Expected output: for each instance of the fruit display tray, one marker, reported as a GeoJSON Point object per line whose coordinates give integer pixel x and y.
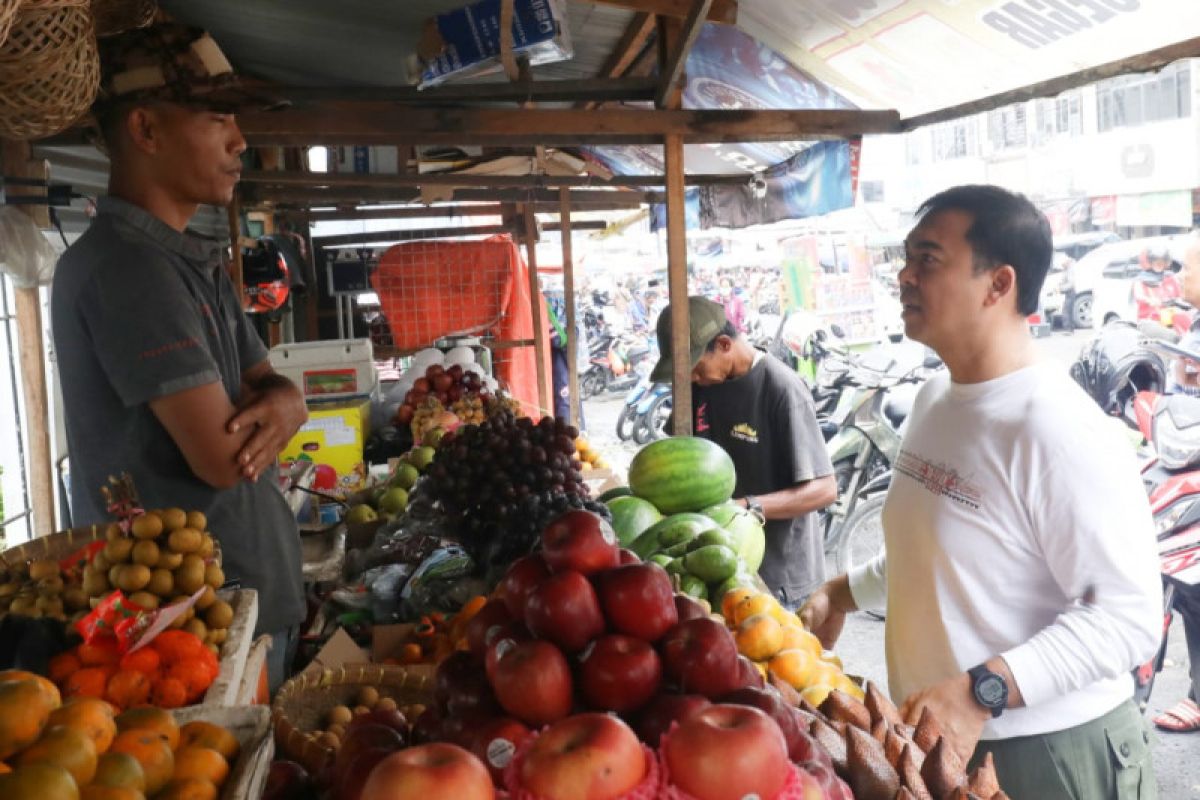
{"type": "Point", "coordinates": [224, 690]}
{"type": "Point", "coordinates": [256, 661]}
{"type": "Point", "coordinates": [252, 727]}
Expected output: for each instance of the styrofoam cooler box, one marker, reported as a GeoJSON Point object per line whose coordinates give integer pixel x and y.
{"type": "Point", "coordinates": [328, 370]}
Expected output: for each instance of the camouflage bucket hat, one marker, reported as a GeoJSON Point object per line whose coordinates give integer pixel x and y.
{"type": "Point", "coordinates": [176, 63]}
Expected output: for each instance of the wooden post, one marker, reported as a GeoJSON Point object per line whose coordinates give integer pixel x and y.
{"type": "Point", "coordinates": [568, 264]}
{"type": "Point", "coordinates": [677, 283]}
{"type": "Point", "coordinates": [17, 162]}
{"type": "Point", "coordinates": [540, 344]}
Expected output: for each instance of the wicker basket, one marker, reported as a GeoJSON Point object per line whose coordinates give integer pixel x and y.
{"type": "Point", "coordinates": [56, 546]}
{"type": "Point", "coordinates": [8, 13]}
{"type": "Point", "coordinates": [117, 16]}
{"type": "Point", "coordinates": [301, 704]}
{"type": "Point", "coordinates": [49, 68]}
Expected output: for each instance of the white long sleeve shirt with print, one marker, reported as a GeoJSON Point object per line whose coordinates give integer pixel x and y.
{"type": "Point", "coordinates": [1017, 525]}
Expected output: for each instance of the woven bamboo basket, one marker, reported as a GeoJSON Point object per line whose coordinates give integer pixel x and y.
{"type": "Point", "coordinates": [49, 68]}
{"type": "Point", "coordinates": [117, 16]}
{"type": "Point", "coordinates": [301, 704]}
{"type": "Point", "coordinates": [8, 13]}
{"type": "Point", "coordinates": [61, 544]}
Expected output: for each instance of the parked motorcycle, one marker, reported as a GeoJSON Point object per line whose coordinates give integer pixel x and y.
{"type": "Point", "coordinates": [653, 414]}
{"type": "Point", "coordinates": [637, 402]}
{"type": "Point", "coordinates": [615, 364]}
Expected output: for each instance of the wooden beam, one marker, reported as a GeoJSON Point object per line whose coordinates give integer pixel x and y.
{"type": "Point", "coordinates": [1144, 62]}
{"type": "Point", "coordinates": [342, 179]}
{"type": "Point", "coordinates": [574, 409]}
{"type": "Point", "coordinates": [331, 197]}
{"type": "Point", "coordinates": [722, 11]}
{"type": "Point", "coordinates": [17, 161]}
{"type": "Point", "coordinates": [402, 235]}
{"type": "Point", "coordinates": [672, 75]}
{"type": "Point", "coordinates": [626, 50]}
{"type": "Point", "coordinates": [541, 345]}
{"type": "Point", "coordinates": [384, 124]}
{"type": "Point", "coordinates": [677, 287]}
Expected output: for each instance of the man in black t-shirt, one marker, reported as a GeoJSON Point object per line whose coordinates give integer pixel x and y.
{"type": "Point", "coordinates": [761, 413]}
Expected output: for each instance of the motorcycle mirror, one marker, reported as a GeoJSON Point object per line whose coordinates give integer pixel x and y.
{"type": "Point", "coordinates": [932, 362]}
{"type": "Point", "coordinates": [837, 331]}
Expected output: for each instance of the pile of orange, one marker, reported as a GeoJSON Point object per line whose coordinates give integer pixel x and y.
{"type": "Point", "coordinates": [174, 670]}
{"type": "Point", "coordinates": [436, 636]}
{"type": "Point", "coordinates": [82, 750]}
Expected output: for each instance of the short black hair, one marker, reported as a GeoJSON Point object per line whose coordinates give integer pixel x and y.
{"type": "Point", "coordinates": [728, 330]}
{"type": "Point", "coordinates": [1006, 229]}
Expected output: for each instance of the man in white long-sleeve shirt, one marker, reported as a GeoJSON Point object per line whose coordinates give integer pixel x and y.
{"type": "Point", "coordinates": [1020, 578]}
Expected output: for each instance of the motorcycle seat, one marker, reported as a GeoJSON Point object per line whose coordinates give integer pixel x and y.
{"type": "Point", "coordinates": [897, 407]}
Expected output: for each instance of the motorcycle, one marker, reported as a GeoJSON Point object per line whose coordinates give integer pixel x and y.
{"type": "Point", "coordinates": [614, 363]}
{"type": "Point", "coordinates": [639, 399]}
{"type": "Point", "coordinates": [863, 452]}
{"type": "Point", "coordinates": [653, 413]}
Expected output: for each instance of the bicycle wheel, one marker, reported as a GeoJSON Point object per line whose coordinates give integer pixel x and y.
{"type": "Point", "coordinates": [861, 538]}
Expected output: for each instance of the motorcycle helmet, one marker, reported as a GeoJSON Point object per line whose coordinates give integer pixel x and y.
{"type": "Point", "coordinates": [1114, 367]}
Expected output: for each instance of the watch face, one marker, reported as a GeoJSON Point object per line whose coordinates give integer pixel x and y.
{"type": "Point", "coordinates": [990, 690]}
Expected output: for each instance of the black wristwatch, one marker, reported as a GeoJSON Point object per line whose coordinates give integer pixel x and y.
{"type": "Point", "coordinates": [990, 690]}
{"type": "Point", "coordinates": [752, 504]}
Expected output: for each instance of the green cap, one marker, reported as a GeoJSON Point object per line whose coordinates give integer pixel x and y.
{"type": "Point", "coordinates": [706, 319]}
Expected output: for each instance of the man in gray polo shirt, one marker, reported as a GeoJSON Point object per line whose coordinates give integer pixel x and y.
{"type": "Point", "coordinates": [162, 375]}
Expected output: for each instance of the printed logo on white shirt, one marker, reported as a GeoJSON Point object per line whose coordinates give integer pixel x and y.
{"type": "Point", "coordinates": [939, 479]}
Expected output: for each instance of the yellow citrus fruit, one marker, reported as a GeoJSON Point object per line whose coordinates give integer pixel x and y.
{"type": "Point", "coordinates": [761, 666]}
{"type": "Point", "coordinates": [845, 684]}
{"type": "Point", "coordinates": [826, 673]}
{"type": "Point", "coordinates": [831, 657]}
{"type": "Point", "coordinates": [797, 667]}
{"type": "Point", "coordinates": [760, 603]}
{"type": "Point", "coordinates": [731, 598]}
{"type": "Point", "coordinates": [120, 771]}
{"type": "Point", "coordinates": [759, 637]}
{"type": "Point", "coordinates": [796, 638]}
{"type": "Point", "coordinates": [816, 693]}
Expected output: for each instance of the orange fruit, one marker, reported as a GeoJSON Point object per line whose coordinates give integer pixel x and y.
{"type": "Point", "coordinates": [66, 747]}
{"type": "Point", "coordinates": [63, 665]}
{"type": "Point", "coordinates": [24, 709]}
{"type": "Point", "coordinates": [103, 652]}
{"type": "Point", "coordinates": [38, 782]}
{"type": "Point", "coordinates": [128, 688]}
{"type": "Point", "coordinates": [214, 737]}
{"type": "Point", "coordinates": [88, 682]}
{"type": "Point", "coordinates": [760, 603]}
{"type": "Point", "coordinates": [187, 789]}
{"type": "Point", "coordinates": [169, 693]}
{"type": "Point", "coordinates": [731, 599]}
{"type": "Point", "coordinates": [177, 645]}
{"type": "Point", "coordinates": [145, 660]}
{"type": "Point", "coordinates": [53, 696]}
{"type": "Point", "coordinates": [152, 751]}
{"type": "Point", "coordinates": [90, 715]}
{"type": "Point", "coordinates": [153, 719]}
{"type": "Point", "coordinates": [200, 763]}
{"type": "Point", "coordinates": [119, 770]}
{"type": "Point", "coordinates": [826, 673]}
{"type": "Point", "coordinates": [94, 792]}
{"type": "Point", "coordinates": [816, 693]}
{"type": "Point", "coordinates": [796, 638]}
{"type": "Point", "coordinates": [797, 667]}
{"type": "Point", "coordinates": [759, 637]}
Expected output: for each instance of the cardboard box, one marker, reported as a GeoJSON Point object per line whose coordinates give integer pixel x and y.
{"type": "Point", "coordinates": [339, 651]}
{"type": "Point", "coordinates": [334, 436]}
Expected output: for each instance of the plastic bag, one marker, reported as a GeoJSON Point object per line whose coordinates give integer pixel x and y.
{"type": "Point", "coordinates": [385, 588]}
{"type": "Point", "coordinates": [25, 255]}
{"type": "Point", "coordinates": [441, 583]}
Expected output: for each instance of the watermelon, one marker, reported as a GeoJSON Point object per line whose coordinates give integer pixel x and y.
{"type": "Point", "coordinates": [614, 493]}
{"type": "Point", "coordinates": [682, 473]}
{"type": "Point", "coordinates": [749, 539]}
{"type": "Point", "coordinates": [669, 532]}
{"type": "Point", "coordinates": [723, 513]}
{"type": "Point", "coordinates": [631, 516]}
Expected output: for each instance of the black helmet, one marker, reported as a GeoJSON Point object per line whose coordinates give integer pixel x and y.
{"type": "Point", "coordinates": [1114, 367]}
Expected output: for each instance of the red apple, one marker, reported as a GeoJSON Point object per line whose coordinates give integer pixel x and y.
{"type": "Point", "coordinates": [353, 776]}
{"type": "Point", "coordinates": [656, 718]}
{"type": "Point", "coordinates": [461, 728]}
{"type": "Point", "coordinates": [748, 674]}
{"type": "Point", "coordinates": [495, 743]}
{"type": "Point", "coordinates": [287, 780]}
{"type": "Point", "coordinates": [389, 718]}
{"type": "Point", "coordinates": [524, 574]}
{"type": "Point", "coordinates": [458, 668]}
{"type": "Point", "coordinates": [365, 737]}
{"type": "Point", "coordinates": [619, 673]}
{"type": "Point", "coordinates": [434, 370]}
{"type": "Point", "coordinates": [442, 382]}
{"type": "Point", "coordinates": [627, 556]}
{"type": "Point", "coordinates": [428, 772]}
{"type": "Point", "coordinates": [499, 641]}
{"type": "Point", "coordinates": [580, 541]}
{"type": "Point", "coordinates": [404, 414]}
{"type": "Point", "coordinates": [533, 682]}
{"type": "Point", "coordinates": [455, 371]}
{"type": "Point", "coordinates": [584, 757]}
{"type": "Point", "coordinates": [422, 386]}
{"type": "Point", "coordinates": [495, 612]}
{"type": "Point", "coordinates": [564, 609]}
{"type": "Point", "coordinates": [799, 743]}
{"type": "Point", "coordinates": [688, 608]}
{"type": "Point", "coordinates": [833, 786]}
{"type": "Point", "coordinates": [701, 656]}
{"type": "Point", "coordinates": [428, 727]}
{"type": "Point", "coordinates": [455, 393]}
{"type": "Point", "coordinates": [727, 752]}
{"type": "Point", "coordinates": [638, 600]}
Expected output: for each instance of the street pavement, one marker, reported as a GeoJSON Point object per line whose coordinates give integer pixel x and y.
{"type": "Point", "coordinates": [861, 647]}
